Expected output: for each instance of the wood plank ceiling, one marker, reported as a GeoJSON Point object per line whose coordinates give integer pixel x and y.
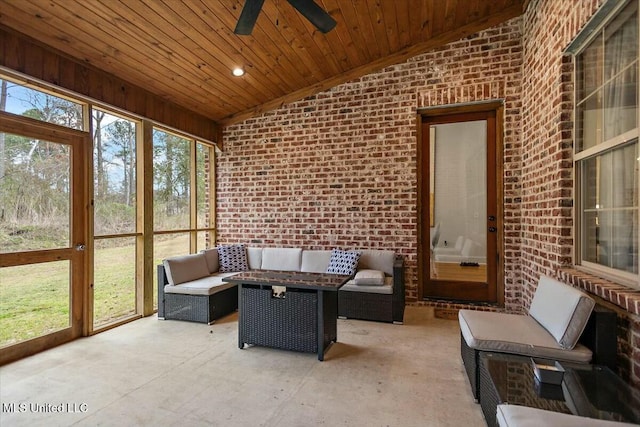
{"type": "Point", "coordinates": [184, 50]}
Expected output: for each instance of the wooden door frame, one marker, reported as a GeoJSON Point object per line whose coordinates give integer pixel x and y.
{"type": "Point", "coordinates": [496, 106]}
{"type": "Point", "coordinates": [79, 142]}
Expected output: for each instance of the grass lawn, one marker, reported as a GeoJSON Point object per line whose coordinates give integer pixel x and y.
{"type": "Point", "coordinates": [34, 299]}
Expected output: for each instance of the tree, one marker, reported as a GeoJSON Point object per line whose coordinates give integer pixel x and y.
{"type": "Point", "coordinates": [171, 174]}
{"type": "Point", "coordinates": [122, 135]}
{"type": "Point", "coordinates": [100, 178]}
{"type": "Point", "coordinates": [3, 107]}
{"type": "Point", "coordinates": [35, 174]}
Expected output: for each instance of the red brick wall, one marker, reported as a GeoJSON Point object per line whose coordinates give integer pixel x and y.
{"type": "Point", "coordinates": [547, 169]}
{"type": "Point", "coordinates": [547, 137]}
{"type": "Point", "coordinates": [339, 169]}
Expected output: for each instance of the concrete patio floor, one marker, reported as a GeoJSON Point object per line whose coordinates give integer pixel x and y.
{"type": "Point", "coordinates": [155, 372]}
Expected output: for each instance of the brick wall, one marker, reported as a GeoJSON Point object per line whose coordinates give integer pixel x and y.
{"type": "Point", "coordinates": [547, 169]}
{"type": "Point", "coordinates": [547, 139]}
{"type": "Point", "coordinates": [339, 169]}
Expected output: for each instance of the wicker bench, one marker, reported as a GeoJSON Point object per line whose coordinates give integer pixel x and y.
{"type": "Point", "coordinates": [562, 324]}
{"type": "Point", "coordinates": [382, 304]}
{"type": "Point", "coordinates": [197, 292]}
{"type": "Point", "coordinates": [196, 296]}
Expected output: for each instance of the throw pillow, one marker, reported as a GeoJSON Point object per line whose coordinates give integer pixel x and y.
{"type": "Point", "coordinates": [232, 258]}
{"type": "Point", "coordinates": [343, 262]}
{"type": "Point", "coordinates": [369, 277]}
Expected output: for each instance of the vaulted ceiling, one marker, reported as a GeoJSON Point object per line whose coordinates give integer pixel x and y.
{"type": "Point", "coordinates": [184, 50]}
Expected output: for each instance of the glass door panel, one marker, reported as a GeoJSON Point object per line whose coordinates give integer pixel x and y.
{"type": "Point", "coordinates": [459, 203]}
{"type": "Point", "coordinates": [41, 237]}
{"type": "Point", "coordinates": [114, 270]}
{"type": "Point", "coordinates": [35, 183]}
{"type": "Point", "coordinates": [114, 218]}
{"type": "Point", "coordinates": [34, 301]}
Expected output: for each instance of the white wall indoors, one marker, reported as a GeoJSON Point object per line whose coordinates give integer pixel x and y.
{"type": "Point", "coordinates": [460, 183]}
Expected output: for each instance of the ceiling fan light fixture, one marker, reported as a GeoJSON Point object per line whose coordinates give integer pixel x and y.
{"type": "Point", "coordinates": [238, 71]}
{"type": "Point", "coordinates": [308, 8]}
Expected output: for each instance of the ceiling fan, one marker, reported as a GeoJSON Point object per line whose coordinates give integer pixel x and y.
{"type": "Point", "coordinates": [308, 8]}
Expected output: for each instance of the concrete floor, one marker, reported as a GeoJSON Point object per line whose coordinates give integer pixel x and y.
{"type": "Point", "coordinates": [164, 373]}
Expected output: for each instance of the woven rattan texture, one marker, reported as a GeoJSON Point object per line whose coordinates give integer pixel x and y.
{"type": "Point", "coordinates": [200, 308]}
{"type": "Point", "coordinates": [289, 323]}
{"type": "Point", "coordinates": [470, 360]}
{"type": "Point", "coordinates": [366, 306]}
{"type": "Point", "coordinates": [194, 308]}
{"type": "Point", "coordinates": [489, 399]}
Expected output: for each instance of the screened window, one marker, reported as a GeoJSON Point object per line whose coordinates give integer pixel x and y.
{"type": "Point", "coordinates": [606, 149]}
{"type": "Point", "coordinates": [22, 100]}
{"type": "Point", "coordinates": [114, 216]}
{"type": "Point", "coordinates": [183, 207]}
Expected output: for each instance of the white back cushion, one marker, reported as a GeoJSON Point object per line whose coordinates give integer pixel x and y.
{"type": "Point", "coordinates": [213, 262]}
{"type": "Point", "coordinates": [185, 268]}
{"type": "Point", "coordinates": [315, 261]}
{"type": "Point", "coordinates": [254, 257]}
{"type": "Point", "coordinates": [561, 310]}
{"type": "Point", "coordinates": [373, 259]}
{"type": "Point", "coordinates": [283, 259]}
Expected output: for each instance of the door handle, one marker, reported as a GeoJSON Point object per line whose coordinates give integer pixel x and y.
{"type": "Point", "coordinates": [492, 229]}
{"type": "Point", "coordinates": [80, 247]}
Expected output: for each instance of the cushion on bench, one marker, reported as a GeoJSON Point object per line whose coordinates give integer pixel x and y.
{"type": "Point", "coordinates": [375, 259]}
{"type": "Point", "coordinates": [211, 256]}
{"type": "Point", "coordinates": [516, 334]}
{"type": "Point", "coordinates": [561, 310]}
{"type": "Point", "coordinates": [522, 416]}
{"type": "Point", "coordinates": [204, 286]}
{"type": "Point", "coordinates": [315, 261]}
{"type": "Point", "coordinates": [283, 259]}
{"type": "Point", "coordinates": [386, 289]}
{"type": "Point", "coordinates": [185, 268]}
{"type": "Point", "coordinates": [369, 277]}
{"type": "Point", "coordinates": [232, 258]}
{"type": "Point", "coordinates": [254, 257]}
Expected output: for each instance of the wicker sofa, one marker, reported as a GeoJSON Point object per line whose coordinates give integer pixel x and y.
{"type": "Point", "coordinates": [191, 287]}
{"type": "Point", "coordinates": [563, 324]}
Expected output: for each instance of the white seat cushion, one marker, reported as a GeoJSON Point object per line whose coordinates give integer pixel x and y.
{"type": "Point", "coordinates": [561, 309]}
{"type": "Point", "coordinates": [515, 334]}
{"type": "Point", "coordinates": [522, 416]}
{"type": "Point", "coordinates": [205, 286]}
{"type": "Point", "coordinates": [387, 289]}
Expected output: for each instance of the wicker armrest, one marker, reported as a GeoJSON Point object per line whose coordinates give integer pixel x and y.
{"type": "Point", "coordinates": [162, 282]}
{"type": "Point", "coordinates": [398, 289]}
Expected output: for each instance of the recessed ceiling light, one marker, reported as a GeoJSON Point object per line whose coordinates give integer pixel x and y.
{"type": "Point", "coordinates": [238, 72]}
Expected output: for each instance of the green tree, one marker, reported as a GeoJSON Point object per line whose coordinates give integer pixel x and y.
{"type": "Point", "coordinates": [171, 175]}
{"type": "Point", "coordinates": [122, 134]}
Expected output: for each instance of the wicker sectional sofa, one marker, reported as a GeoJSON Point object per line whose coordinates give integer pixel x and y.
{"type": "Point", "coordinates": [191, 287]}
{"type": "Point", "coordinates": [563, 324]}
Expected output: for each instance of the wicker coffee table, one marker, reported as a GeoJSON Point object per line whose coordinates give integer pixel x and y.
{"type": "Point", "coordinates": [587, 390]}
{"type": "Point", "coordinates": [304, 318]}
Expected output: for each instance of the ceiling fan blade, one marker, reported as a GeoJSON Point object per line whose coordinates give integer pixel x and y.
{"type": "Point", "coordinates": [248, 17]}
{"type": "Point", "coordinates": [315, 14]}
